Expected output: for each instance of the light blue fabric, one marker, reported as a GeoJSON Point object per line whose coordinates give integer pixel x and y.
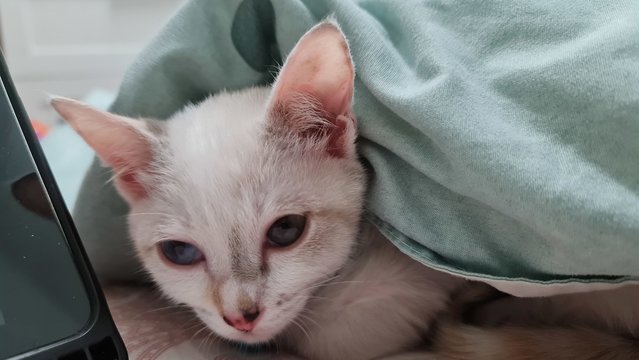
{"type": "Point", "coordinates": [503, 136]}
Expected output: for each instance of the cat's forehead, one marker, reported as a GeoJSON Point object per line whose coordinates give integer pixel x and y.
{"type": "Point", "coordinates": [217, 136]}
{"type": "Point", "coordinates": [224, 172]}
{"type": "Point", "coordinates": [218, 153]}
{"type": "Point", "coordinates": [214, 152]}
{"type": "Point", "coordinates": [225, 123]}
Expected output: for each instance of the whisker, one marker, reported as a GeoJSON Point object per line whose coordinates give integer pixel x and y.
{"type": "Point", "coordinates": [320, 284]}
{"type": "Point", "coordinates": [308, 318]}
{"type": "Point", "coordinates": [304, 331]}
{"type": "Point", "coordinates": [202, 344]}
{"type": "Point", "coordinates": [193, 326]}
{"type": "Point", "coordinates": [202, 328]}
{"type": "Point", "coordinates": [176, 308]}
{"type": "Point", "coordinates": [160, 214]}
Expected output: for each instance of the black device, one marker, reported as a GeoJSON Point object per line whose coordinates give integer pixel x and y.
{"type": "Point", "coordinates": [51, 305]}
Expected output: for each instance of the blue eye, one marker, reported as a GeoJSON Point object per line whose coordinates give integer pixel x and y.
{"type": "Point", "coordinates": [181, 253]}
{"type": "Point", "coordinates": [286, 230]}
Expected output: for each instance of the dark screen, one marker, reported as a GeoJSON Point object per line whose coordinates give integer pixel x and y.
{"type": "Point", "coordinates": [42, 297]}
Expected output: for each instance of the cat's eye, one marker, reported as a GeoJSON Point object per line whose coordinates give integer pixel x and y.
{"type": "Point", "coordinates": [286, 230]}
{"type": "Point", "coordinates": [180, 252]}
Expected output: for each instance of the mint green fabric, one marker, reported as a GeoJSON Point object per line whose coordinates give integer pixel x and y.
{"type": "Point", "coordinates": [503, 136]}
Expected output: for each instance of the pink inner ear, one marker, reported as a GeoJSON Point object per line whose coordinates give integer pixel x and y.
{"type": "Point", "coordinates": [128, 153]}
{"type": "Point", "coordinates": [313, 94]}
{"type": "Point", "coordinates": [131, 187]}
{"type": "Point", "coordinates": [126, 176]}
{"type": "Point", "coordinates": [338, 137]}
{"type": "Point", "coordinates": [320, 66]}
{"type": "Point", "coordinates": [121, 143]}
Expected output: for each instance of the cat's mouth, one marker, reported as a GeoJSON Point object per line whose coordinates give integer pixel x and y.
{"type": "Point", "coordinates": [264, 332]}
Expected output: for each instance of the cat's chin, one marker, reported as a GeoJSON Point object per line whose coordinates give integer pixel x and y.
{"type": "Point", "coordinates": [272, 323]}
{"type": "Point", "coordinates": [252, 338]}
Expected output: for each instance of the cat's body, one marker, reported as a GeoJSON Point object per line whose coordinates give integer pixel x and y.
{"type": "Point", "coordinates": [247, 208]}
{"type": "Point", "coordinates": [381, 297]}
{"type": "Point", "coordinates": [598, 325]}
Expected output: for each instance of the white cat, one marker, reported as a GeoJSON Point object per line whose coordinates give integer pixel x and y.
{"type": "Point", "coordinates": [247, 208]}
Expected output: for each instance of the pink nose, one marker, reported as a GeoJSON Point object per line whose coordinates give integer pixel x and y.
{"type": "Point", "coordinates": [245, 322]}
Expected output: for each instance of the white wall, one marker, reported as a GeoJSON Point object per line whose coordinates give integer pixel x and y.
{"type": "Point", "coordinates": [69, 47]}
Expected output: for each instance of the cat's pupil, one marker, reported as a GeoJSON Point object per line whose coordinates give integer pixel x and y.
{"type": "Point", "coordinates": [286, 230]}
{"type": "Point", "coordinates": [180, 253]}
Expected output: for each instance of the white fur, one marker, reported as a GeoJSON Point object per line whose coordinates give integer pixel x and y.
{"type": "Point", "coordinates": [222, 174]}
{"type": "Point", "coordinates": [217, 174]}
{"type": "Point", "coordinates": [221, 171]}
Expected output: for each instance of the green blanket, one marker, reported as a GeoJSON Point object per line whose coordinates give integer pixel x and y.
{"type": "Point", "coordinates": [503, 136]}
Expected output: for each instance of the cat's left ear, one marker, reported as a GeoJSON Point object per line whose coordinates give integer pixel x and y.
{"type": "Point", "coordinates": [122, 143]}
{"type": "Point", "coordinates": [313, 93]}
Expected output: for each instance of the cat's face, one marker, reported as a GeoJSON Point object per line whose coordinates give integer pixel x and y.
{"type": "Point", "coordinates": [243, 205]}
{"type": "Point", "coordinates": [225, 183]}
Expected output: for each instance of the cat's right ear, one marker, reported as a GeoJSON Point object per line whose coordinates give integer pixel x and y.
{"type": "Point", "coordinates": [313, 94]}
{"type": "Point", "coordinates": [122, 143]}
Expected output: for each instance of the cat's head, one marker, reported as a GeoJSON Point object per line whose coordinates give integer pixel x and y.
{"type": "Point", "coordinates": [242, 206]}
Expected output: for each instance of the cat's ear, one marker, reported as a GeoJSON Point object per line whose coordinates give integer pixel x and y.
{"type": "Point", "coordinates": [122, 143]}
{"type": "Point", "coordinates": [317, 81]}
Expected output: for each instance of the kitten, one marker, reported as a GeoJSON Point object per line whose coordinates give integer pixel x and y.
{"type": "Point", "coordinates": [247, 208]}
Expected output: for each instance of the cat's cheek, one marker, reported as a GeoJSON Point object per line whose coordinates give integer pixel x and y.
{"type": "Point", "coordinates": [180, 286]}
{"type": "Point", "coordinates": [284, 309]}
